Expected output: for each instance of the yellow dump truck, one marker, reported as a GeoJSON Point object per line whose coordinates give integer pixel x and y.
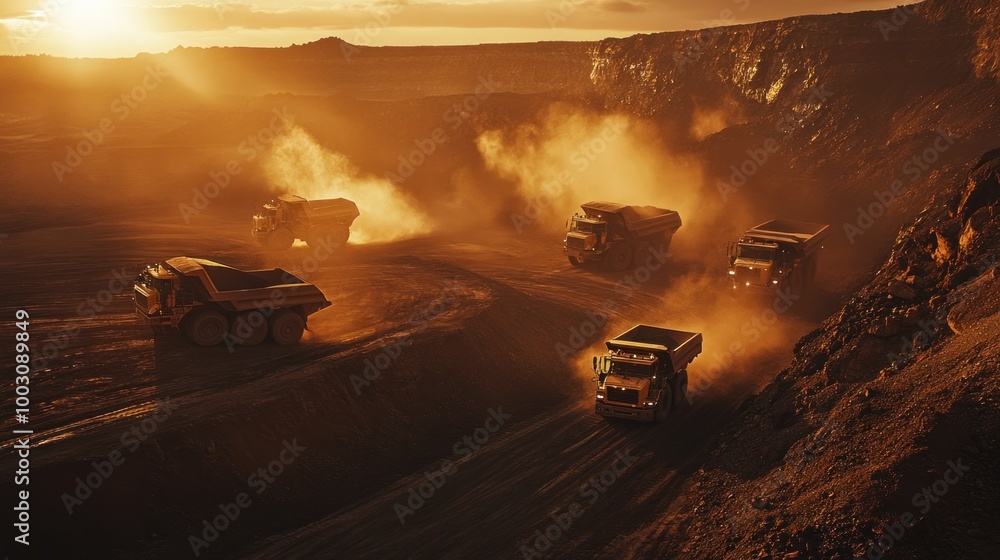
{"type": "Point", "coordinates": [644, 375]}
{"type": "Point", "coordinates": [618, 235]}
{"type": "Point", "coordinates": [777, 254]}
{"type": "Point", "coordinates": [210, 302]}
{"type": "Point", "coordinates": [289, 217]}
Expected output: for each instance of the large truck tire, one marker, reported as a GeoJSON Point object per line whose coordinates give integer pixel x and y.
{"type": "Point", "coordinates": [575, 261]}
{"type": "Point", "coordinates": [340, 236]}
{"type": "Point", "coordinates": [249, 328]}
{"type": "Point", "coordinates": [206, 327]}
{"type": "Point", "coordinates": [336, 236]}
{"type": "Point", "coordinates": [619, 257]}
{"type": "Point", "coordinates": [810, 276]}
{"type": "Point", "coordinates": [679, 388]}
{"type": "Point", "coordinates": [287, 327]}
{"type": "Point", "coordinates": [280, 239]}
{"type": "Point", "coordinates": [798, 280]}
{"type": "Point", "coordinates": [664, 406]}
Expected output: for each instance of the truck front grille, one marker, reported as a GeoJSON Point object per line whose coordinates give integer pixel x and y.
{"type": "Point", "coordinates": [576, 242]}
{"type": "Point", "coordinates": [627, 396]}
{"type": "Point", "coordinates": [142, 301]}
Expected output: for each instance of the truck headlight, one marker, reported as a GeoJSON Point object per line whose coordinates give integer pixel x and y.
{"type": "Point", "coordinates": [600, 396]}
{"type": "Point", "coordinates": [732, 273]}
{"type": "Point", "coordinates": [774, 281]}
{"type": "Point", "coordinates": [648, 403]}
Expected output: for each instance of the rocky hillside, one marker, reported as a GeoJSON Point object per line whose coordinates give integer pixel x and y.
{"type": "Point", "coordinates": [885, 430]}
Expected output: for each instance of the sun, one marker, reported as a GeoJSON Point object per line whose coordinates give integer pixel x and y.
{"type": "Point", "coordinates": [90, 24]}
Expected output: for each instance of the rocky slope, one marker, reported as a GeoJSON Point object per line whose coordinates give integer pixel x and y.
{"type": "Point", "coordinates": [881, 438]}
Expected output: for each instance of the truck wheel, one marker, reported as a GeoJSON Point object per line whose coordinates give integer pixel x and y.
{"type": "Point", "coordinates": [575, 261]}
{"type": "Point", "coordinates": [287, 327]}
{"type": "Point", "coordinates": [810, 272]}
{"type": "Point", "coordinates": [680, 389]}
{"type": "Point", "coordinates": [340, 236]}
{"type": "Point", "coordinates": [618, 258]}
{"type": "Point", "coordinates": [249, 328]}
{"type": "Point", "coordinates": [280, 239]}
{"type": "Point", "coordinates": [663, 407]}
{"type": "Point", "coordinates": [206, 328]}
{"type": "Point", "coordinates": [798, 282]}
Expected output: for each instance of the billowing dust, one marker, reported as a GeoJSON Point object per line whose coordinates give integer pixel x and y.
{"type": "Point", "coordinates": [570, 156]}
{"type": "Point", "coordinates": [298, 164]}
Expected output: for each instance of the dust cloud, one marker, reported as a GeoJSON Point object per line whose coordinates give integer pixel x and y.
{"type": "Point", "coordinates": [747, 335]}
{"type": "Point", "coordinates": [298, 164]}
{"type": "Point", "coordinates": [706, 122]}
{"type": "Point", "coordinates": [569, 156]}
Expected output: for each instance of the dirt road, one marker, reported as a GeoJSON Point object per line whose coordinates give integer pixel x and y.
{"type": "Point", "coordinates": [470, 325]}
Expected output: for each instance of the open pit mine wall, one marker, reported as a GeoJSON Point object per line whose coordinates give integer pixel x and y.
{"type": "Point", "coordinates": [757, 70]}
{"type": "Point", "coordinates": [778, 62]}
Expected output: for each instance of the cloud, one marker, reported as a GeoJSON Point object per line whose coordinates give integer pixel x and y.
{"type": "Point", "coordinates": [636, 15]}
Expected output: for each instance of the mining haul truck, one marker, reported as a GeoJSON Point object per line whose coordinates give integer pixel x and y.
{"type": "Point", "coordinates": [287, 218]}
{"type": "Point", "coordinates": [644, 375]}
{"type": "Point", "coordinates": [617, 235]}
{"type": "Point", "coordinates": [210, 302]}
{"type": "Point", "coordinates": [780, 254]}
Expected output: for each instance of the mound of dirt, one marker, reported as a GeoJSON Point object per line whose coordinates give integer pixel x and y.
{"type": "Point", "coordinates": [880, 440]}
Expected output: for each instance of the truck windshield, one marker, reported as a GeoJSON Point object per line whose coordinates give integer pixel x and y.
{"type": "Point", "coordinates": [631, 369]}
{"type": "Point", "coordinates": [756, 253]}
{"type": "Point", "coordinates": [157, 284]}
{"type": "Point", "coordinates": [586, 227]}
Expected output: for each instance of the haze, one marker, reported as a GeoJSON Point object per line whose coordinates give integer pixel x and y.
{"type": "Point", "coordinates": [122, 28]}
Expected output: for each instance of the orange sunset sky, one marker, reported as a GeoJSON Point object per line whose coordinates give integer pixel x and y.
{"type": "Point", "coordinates": [121, 28]}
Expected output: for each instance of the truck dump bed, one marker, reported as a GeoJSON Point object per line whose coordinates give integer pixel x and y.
{"type": "Point", "coordinates": [341, 209]}
{"type": "Point", "coordinates": [806, 235]}
{"type": "Point", "coordinates": [239, 290]}
{"type": "Point", "coordinates": [640, 220]}
{"type": "Point", "coordinates": [681, 347]}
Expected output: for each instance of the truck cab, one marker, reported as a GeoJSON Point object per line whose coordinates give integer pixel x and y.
{"type": "Point", "coordinates": [268, 218]}
{"type": "Point", "coordinates": [757, 263]}
{"type": "Point", "coordinates": [160, 299]}
{"type": "Point", "coordinates": [586, 233]}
